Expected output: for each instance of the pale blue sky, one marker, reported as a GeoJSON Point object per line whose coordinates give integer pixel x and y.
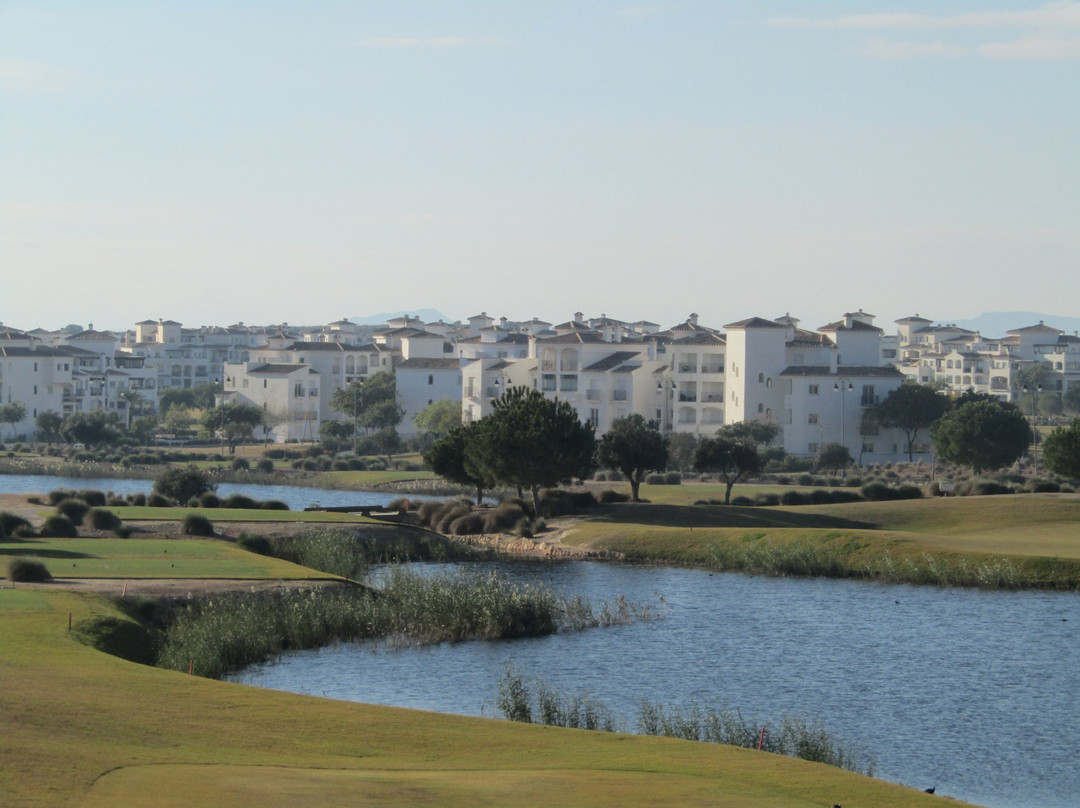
{"type": "Point", "coordinates": [213, 162]}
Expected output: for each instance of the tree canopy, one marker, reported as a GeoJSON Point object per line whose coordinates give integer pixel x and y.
{"type": "Point", "coordinates": [1061, 450]}
{"type": "Point", "coordinates": [633, 446]}
{"type": "Point", "coordinates": [985, 435]}
{"type": "Point", "coordinates": [909, 408]}
{"type": "Point", "coordinates": [48, 423]}
{"type": "Point", "coordinates": [532, 442]}
{"type": "Point", "coordinates": [12, 413]}
{"type": "Point", "coordinates": [729, 457]}
{"type": "Point", "coordinates": [439, 417]}
{"type": "Point", "coordinates": [234, 421]}
{"type": "Point", "coordinates": [833, 457]}
{"type": "Point", "coordinates": [448, 458]}
{"type": "Point", "coordinates": [94, 428]}
{"type": "Point", "coordinates": [372, 402]}
{"type": "Point", "coordinates": [183, 484]}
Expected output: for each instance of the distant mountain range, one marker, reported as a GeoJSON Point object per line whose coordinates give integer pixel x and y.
{"type": "Point", "coordinates": [425, 315]}
{"type": "Point", "coordinates": [997, 323]}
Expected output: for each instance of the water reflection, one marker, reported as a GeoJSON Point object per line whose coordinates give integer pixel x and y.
{"type": "Point", "coordinates": [969, 691]}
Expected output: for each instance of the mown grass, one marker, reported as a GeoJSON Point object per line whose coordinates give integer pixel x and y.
{"type": "Point", "coordinates": [1022, 541]}
{"type": "Point", "coordinates": [88, 729]}
{"type": "Point", "coordinates": [152, 558]}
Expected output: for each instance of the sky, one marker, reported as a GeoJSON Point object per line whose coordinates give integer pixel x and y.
{"type": "Point", "coordinates": [216, 162]}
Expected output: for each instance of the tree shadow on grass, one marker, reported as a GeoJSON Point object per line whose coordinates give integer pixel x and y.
{"type": "Point", "coordinates": [36, 551]}
{"type": "Point", "coordinates": [724, 516]}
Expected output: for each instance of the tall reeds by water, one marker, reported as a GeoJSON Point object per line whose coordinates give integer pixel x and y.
{"type": "Point", "coordinates": [807, 560]}
{"type": "Point", "coordinates": [223, 634]}
{"type": "Point", "coordinates": [534, 701]}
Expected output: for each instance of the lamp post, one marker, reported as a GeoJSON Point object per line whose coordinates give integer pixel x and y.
{"type": "Point", "coordinates": [666, 413]}
{"type": "Point", "coordinates": [1034, 432]}
{"type": "Point", "coordinates": [843, 387]}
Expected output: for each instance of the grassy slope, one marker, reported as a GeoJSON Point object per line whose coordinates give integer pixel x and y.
{"type": "Point", "coordinates": [84, 728]}
{"type": "Point", "coordinates": [1023, 526]}
{"type": "Point", "coordinates": [152, 558]}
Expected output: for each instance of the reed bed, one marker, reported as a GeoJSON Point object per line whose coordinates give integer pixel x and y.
{"type": "Point", "coordinates": [533, 701]}
{"type": "Point", "coordinates": [223, 634]}
{"type": "Point", "coordinates": [805, 559]}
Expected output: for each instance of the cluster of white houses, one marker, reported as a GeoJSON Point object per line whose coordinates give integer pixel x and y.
{"type": "Point", "coordinates": [816, 385]}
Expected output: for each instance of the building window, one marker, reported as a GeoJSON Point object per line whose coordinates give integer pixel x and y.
{"type": "Point", "coordinates": [868, 448]}
{"type": "Point", "coordinates": [594, 417]}
{"type": "Point", "coordinates": [812, 448]}
{"type": "Point", "coordinates": [761, 378]}
{"type": "Point", "coordinates": [811, 418]}
{"type": "Point", "coordinates": [868, 397]}
{"type": "Point", "coordinates": [761, 407]}
{"type": "Point", "coordinates": [431, 379]}
{"type": "Point", "coordinates": [814, 389]}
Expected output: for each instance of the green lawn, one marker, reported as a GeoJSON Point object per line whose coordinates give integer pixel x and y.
{"type": "Point", "coordinates": [1037, 537]}
{"type": "Point", "coordinates": [151, 558]}
{"type": "Point", "coordinates": [84, 728]}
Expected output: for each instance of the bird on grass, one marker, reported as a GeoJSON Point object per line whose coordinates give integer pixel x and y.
{"type": "Point", "coordinates": [930, 790]}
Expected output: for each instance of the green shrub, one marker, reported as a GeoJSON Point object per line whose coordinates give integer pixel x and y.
{"type": "Point", "coordinates": [655, 478]}
{"type": "Point", "coordinates": [27, 570]}
{"type": "Point", "coordinates": [158, 501]}
{"type": "Point", "coordinates": [878, 492]}
{"type": "Point", "coordinates": [73, 509]}
{"type": "Point", "coordinates": [805, 479]}
{"type": "Point", "coordinates": [794, 498]}
{"type": "Point", "coordinates": [264, 465]}
{"type": "Point", "coordinates": [181, 485]}
{"type": "Point", "coordinates": [256, 544]}
{"type": "Point", "coordinates": [742, 501]}
{"type": "Point", "coordinates": [469, 524]}
{"type": "Point", "coordinates": [503, 518]}
{"type": "Point", "coordinates": [103, 519]}
{"type": "Point", "coordinates": [195, 524]}
{"type": "Point", "coordinates": [123, 532]}
{"type": "Point", "coordinates": [768, 499]}
{"type": "Point", "coordinates": [609, 496]}
{"type": "Point", "coordinates": [9, 523]}
{"type": "Point", "coordinates": [92, 497]}
{"type": "Point", "coordinates": [273, 505]}
{"type": "Point", "coordinates": [59, 495]}
{"type": "Point", "coordinates": [672, 478]}
{"type": "Point", "coordinates": [59, 526]}
{"type": "Point", "coordinates": [339, 465]}
{"type": "Point", "coordinates": [209, 500]}
{"type": "Point", "coordinates": [240, 501]}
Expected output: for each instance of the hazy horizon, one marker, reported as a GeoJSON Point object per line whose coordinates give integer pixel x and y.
{"type": "Point", "coordinates": [214, 162]}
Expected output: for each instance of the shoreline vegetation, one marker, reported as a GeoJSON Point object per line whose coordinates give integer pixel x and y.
{"type": "Point", "coordinates": [214, 636]}
{"type": "Point", "coordinates": [531, 700]}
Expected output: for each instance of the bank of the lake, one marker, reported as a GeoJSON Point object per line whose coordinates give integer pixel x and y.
{"type": "Point", "coordinates": [83, 728]}
{"type": "Point", "coordinates": [968, 691]}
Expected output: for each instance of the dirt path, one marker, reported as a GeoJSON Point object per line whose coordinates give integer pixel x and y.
{"type": "Point", "coordinates": [171, 587]}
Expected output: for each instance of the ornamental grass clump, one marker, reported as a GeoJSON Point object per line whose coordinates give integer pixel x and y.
{"type": "Point", "coordinates": [73, 509]}
{"type": "Point", "coordinates": [28, 570]}
{"type": "Point", "coordinates": [228, 633]}
{"type": "Point", "coordinates": [195, 524]}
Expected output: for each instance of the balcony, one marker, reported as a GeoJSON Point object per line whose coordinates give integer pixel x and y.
{"type": "Point", "coordinates": [687, 367]}
{"type": "Point", "coordinates": [619, 395]}
{"type": "Point", "coordinates": [593, 395]}
{"type": "Point", "coordinates": [548, 364]}
{"type": "Point", "coordinates": [687, 396]}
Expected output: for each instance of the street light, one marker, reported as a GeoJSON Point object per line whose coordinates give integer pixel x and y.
{"type": "Point", "coordinates": [1034, 433]}
{"type": "Point", "coordinates": [839, 387]}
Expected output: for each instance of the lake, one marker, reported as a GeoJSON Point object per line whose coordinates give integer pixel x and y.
{"type": "Point", "coordinates": [972, 692]}
{"type": "Point", "coordinates": [296, 497]}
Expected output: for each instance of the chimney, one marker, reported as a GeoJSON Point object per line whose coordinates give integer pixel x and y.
{"type": "Point", "coordinates": [693, 318]}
